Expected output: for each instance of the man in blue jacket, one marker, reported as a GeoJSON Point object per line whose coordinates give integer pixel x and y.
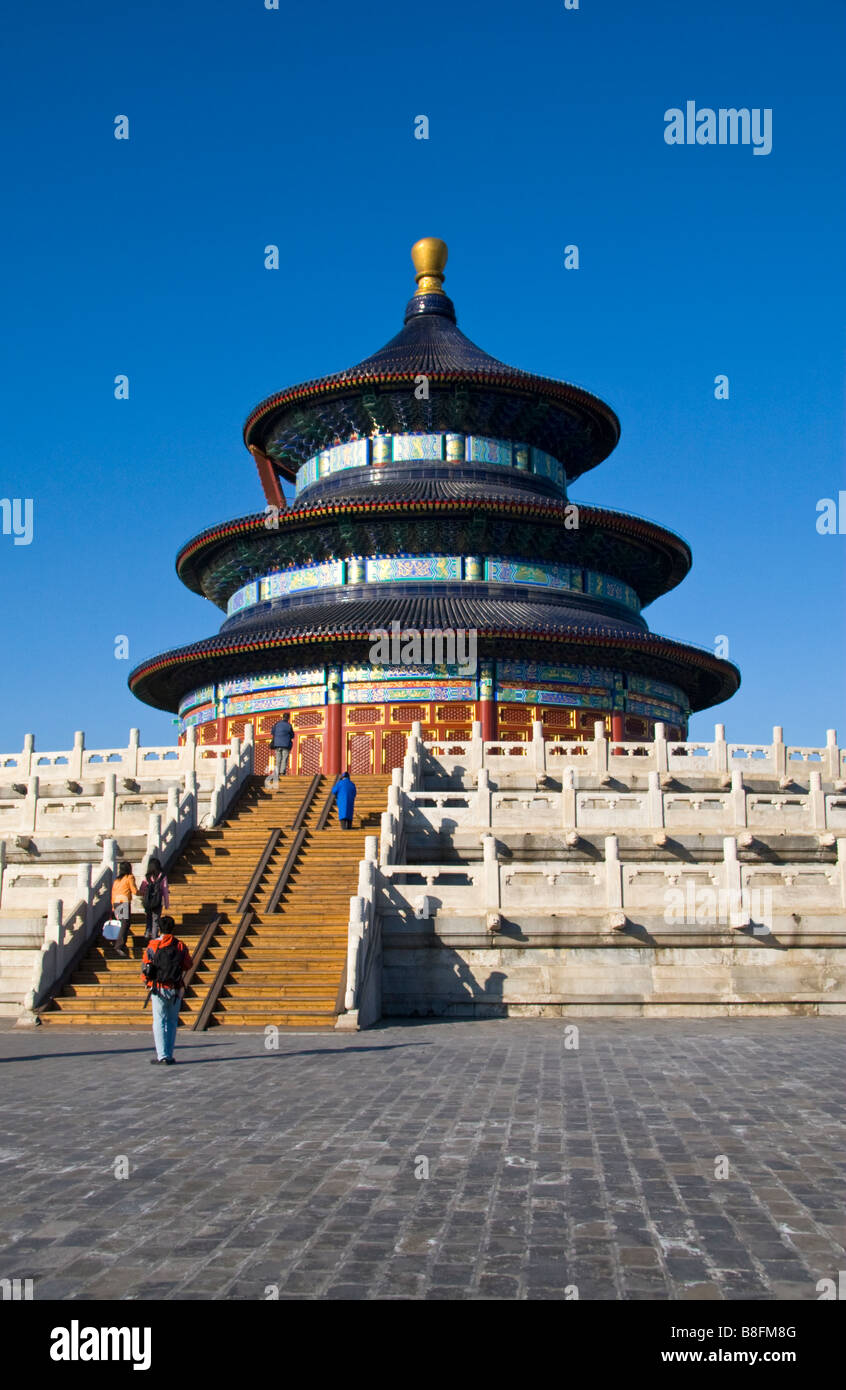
{"type": "Point", "coordinates": [344, 794]}
{"type": "Point", "coordinates": [281, 742]}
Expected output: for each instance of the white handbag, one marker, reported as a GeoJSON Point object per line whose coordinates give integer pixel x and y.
{"type": "Point", "coordinates": [111, 929]}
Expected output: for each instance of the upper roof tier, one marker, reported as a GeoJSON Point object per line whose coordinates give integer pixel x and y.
{"type": "Point", "coordinates": [468, 391]}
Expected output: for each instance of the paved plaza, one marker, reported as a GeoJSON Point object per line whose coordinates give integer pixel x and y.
{"type": "Point", "coordinates": [302, 1172]}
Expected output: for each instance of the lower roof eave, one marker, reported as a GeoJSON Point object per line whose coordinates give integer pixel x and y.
{"type": "Point", "coordinates": [164, 680]}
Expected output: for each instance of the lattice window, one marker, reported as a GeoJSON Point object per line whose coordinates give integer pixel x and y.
{"type": "Point", "coordinates": [364, 714]}
{"type": "Point", "coordinates": [308, 719]}
{"type": "Point", "coordinates": [638, 728]}
{"type": "Point", "coordinates": [208, 732]}
{"type": "Point", "coordinates": [360, 753]}
{"type": "Point", "coordinates": [266, 723]}
{"type": "Point", "coordinates": [309, 754]}
{"type": "Point", "coordinates": [443, 712]}
{"type": "Point", "coordinates": [557, 718]}
{"type": "Point", "coordinates": [393, 750]}
{"type": "Point", "coordinates": [589, 717]}
{"type": "Point", "coordinates": [514, 714]}
{"type": "Point", "coordinates": [409, 714]}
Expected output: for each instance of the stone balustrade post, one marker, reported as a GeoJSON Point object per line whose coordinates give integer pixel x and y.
{"type": "Point", "coordinates": [482, 814]}
{"type": "Point", "coordinates": [83, 888]}
{"type": "Point", "coordinates": [172, 804]}
{"type": "Point", "coordinates": [371, 849]}
{"type": "Point", "coordinates": [778, 752]}
{"type": "Point", "coordinates": [25, 768]}
{"type": "Point", "coordinates": [187, 751]}
{"type": "Point", "coordinates": [154, 835]}
{"type": "Point", "coordinates": [733, 883]}
{"type": "Point", "coordinates": [387, 831]}
{"type": "Point", "coordinates": [133, 753]}
{"type": "Point", "coordinates": [600, 748]}
{"type": "Point", "coordinates": [53, 930]}
{"type": "Point", "coordinates": [219, 771]}
{"type": "Point", "coordinates": [108, 810]}
{"type": "Point", "coordinates": [655, 801]}
{"type": "Point", "coordinates": [720, 749]}
{"type": "Point", "coordinates": [109, 860]}
{"type": "Point", "coordinates": [737, 798]}
{"type": "Point", "coordinates": [250, 745]}
{"type": "Point", "coordinates": [613, 875]}
{"type": "Point", "coordinates": [538, 747]}
{"type": "Point", "coordinates": [75, 760]}
{"type": "Point", "coordinates": [660, 746]}
{"type": "Point", "coordinates": [30, 807]}
{"type": "Point", "coordinates": [490, 882]}
{"type": "Point", "coordinates": [2, 867]}
{"type": "Point", "coordinates": [354, 939]}
{"type": "Point", "coordinates": [234, 758]}
{"type": "Point", "coordinates": [477, 747]}
{"type": "Point", "coordinates": [832, 756]}
{"type": "Point", "coordinates": [816, 800]}
{"type": "Point", "coordinates": [568, 799]}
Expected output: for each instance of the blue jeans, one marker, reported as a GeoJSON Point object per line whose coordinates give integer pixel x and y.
{"type": "Point", "coordinates": [165, 1005]}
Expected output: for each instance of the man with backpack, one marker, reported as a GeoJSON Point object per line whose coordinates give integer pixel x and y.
{"type": "Point", "coordinates": [281, 743]}
{"type": "Point", "coordinates": [155, 896]}
{"type": "Point", "coordinates": [165, 962]}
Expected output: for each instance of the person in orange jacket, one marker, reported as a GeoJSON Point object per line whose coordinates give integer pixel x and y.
{"type": "Point", "coordinates": [165, 961]}
{"type": "Point", "coordinates": [124, 889]}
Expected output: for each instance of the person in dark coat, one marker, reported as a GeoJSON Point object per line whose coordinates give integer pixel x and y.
{"type": "Point", "coordinates": [344, 794]}
{"type": "Point", "coordinates": [281, 742]}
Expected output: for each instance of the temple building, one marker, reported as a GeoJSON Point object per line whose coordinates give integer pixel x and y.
{"type": "Point", "coordinates": [430, 567]}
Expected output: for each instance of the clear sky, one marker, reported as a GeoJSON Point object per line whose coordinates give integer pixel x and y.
{"type": "Point", "coordinates": [295, 127]}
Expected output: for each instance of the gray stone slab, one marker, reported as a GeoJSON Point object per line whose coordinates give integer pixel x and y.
{"type": "Point", "coordinates": [548, 1167]}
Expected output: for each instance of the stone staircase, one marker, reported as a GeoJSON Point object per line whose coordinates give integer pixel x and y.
{"type": "Point", "coordinates": [289, 968]}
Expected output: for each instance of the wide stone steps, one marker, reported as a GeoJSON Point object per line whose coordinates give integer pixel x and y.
{"type": "Point", "coordinates": [290, 964]}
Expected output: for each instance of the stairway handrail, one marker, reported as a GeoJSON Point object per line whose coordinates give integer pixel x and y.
{"type": "Point", "coordinates": [201, 947]}
{"type": "Point", "coordinates": [234, 947]}
{"type": "Point", "coordinates": [249, 892]}
{"type": "Point", "coordinates": [201, 1022]}
{"type": "Point", "coordinates": [298, 827]}
{"type": "Point", "coordinates": [305, 804]}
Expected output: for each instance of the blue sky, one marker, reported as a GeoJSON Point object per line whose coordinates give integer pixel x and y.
{"type": "Point", "coordinates": [295, 127]}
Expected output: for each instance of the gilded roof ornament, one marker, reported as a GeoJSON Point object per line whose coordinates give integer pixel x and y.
{"type": "Point", "coordinates": [430, 257]}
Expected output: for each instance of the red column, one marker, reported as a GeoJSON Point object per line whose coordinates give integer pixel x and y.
{"type": "Point", "coordinates": [487, 702]}
{"type": "Point", "coordinates": [618, 728]}
{"type": "Point", "coordinates": [332, 744]}
{"type": "Point", "coordinates": [487, 714]}
{"type": "Point", "coordinates": [333, 750]}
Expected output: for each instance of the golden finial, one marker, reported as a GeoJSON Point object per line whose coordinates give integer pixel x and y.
{"type": "Point", "coordinates": [429, 256]}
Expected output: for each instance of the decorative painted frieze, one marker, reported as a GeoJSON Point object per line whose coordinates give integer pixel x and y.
{"type": "Point", "coordinates": [439, 447]}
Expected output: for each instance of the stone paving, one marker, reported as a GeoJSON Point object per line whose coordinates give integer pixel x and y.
{"type": "Point", "coordinates": [301, 1171]}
